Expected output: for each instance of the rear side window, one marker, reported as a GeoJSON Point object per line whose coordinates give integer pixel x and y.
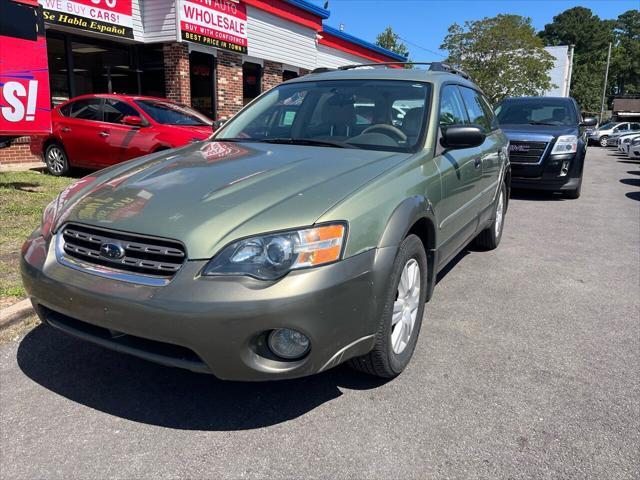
{"type": "Point", "coordinates": [87, 109]}
{"type": "Point", "coordinates": [115, 111]}
{"type": "Point", "coordinates": [475, 108]}
{"type": "Point", "coordinates": [635, 126]}
{"type": "Point", "coordinates": [452, 110]}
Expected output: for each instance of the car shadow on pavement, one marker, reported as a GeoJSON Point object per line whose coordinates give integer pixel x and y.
{"type": "Point", "coordinates": [137, 390]}
{"type": "Point", "coordinates": [634, 182]}
{"type": "Point", "coordinates": [535, 195]}
{"type": "Point", "coordinates": [633, 195]}
{"type": "Point", "coordinates": [634, 172]}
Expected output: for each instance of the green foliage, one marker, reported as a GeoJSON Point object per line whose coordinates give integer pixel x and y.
{"type": "Point", "coordinates": [625, 63]}
{"type": "Point", "coordinates": [502, 54]}
{"type": "Point", "coordinates": [23, 196]}
{"type": "Point", "coordinates": [391, 41]}
{"type": "Point", "coordinates": [591, 36]}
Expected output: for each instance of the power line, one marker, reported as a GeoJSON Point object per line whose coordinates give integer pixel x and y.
{"type": "Point", "coordinates": [421, 48]}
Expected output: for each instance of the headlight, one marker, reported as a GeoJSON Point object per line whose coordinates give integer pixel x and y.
{"type": "Point", "coordinates": [626, 140]}
{"type": "Point", "coordinates": [49, 217]}
{"type": "Point", "coordinates": [565, 144]}
{"type": "Point", "coordinates": [269, 257]}
{"type": "Point", "coordinates": [635, 141]}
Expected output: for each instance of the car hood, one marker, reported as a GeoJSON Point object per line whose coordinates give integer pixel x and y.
{"type": "Point", "coordinates": [541, 133]}
{"type": "Point", "coordinates": [210, 193]}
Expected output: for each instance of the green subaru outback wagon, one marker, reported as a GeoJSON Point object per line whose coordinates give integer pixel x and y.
{"type": "Point", "coordinates": [308, 231]}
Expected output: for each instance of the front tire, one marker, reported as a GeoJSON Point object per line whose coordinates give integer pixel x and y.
{"type": "Point", "coordinates": [603, 141]}
{"type": "Point", "coordinates": [490, 237]}
{"type": "Point", "coordinates": [401, 319]}
{"type": "Point", "coordinates": [56, 160]}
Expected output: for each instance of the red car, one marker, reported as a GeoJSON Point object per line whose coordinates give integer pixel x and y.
{"type": "Point", "coordinates": [95, 131]}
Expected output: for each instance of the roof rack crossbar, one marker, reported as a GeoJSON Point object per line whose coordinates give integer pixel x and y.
{"type": "Point", "coordinates": [433, 67]}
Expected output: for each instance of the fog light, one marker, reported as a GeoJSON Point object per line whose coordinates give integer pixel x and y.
{"type": "Point", "coordinates": [288, 344]}
{"type": "Point", "coordinates": [565, 168]}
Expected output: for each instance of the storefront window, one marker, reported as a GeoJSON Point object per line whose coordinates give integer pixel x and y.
{"type": "Point", "coordinates": [288, 75]}
{"type": "Point", "coordinates": [251, 80]}
{"type": "Point", "coordinates": [202, 66]}
{"type": "Point", "coordinates": [151, 62]}
{"type": "Point", "coordinates": [80, 65]}
{"type": "Point", "coordinates": [103, 68]}
{"type": "Point", "coordinates": [58, 70]}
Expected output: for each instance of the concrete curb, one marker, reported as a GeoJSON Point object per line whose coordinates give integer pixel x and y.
{"type": "Point", "coordinates": [15, 313]}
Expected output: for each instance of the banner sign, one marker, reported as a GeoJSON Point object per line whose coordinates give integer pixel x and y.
{"type": "Point", "coordinates": [25, 105]}
{"type": "Point", "coordinates": [111, 17]}
{"type": "Point", "coordinates": [216, 23]}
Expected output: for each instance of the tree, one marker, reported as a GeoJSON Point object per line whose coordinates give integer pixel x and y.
{"type": "Point", "coordinates": [502, 55]}
{"type": "Point", "coordinates": [625, 64]}
{"type": "Point", "coordinates": [578, 26]}
{"type": "Point", "coordinates": [391, 41]}
{"type": "Point", "coordinates": [590, 36]}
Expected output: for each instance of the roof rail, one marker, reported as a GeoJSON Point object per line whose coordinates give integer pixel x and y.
{"type": "Point", "coordinates": [433, 67]}
{"type": "Point", "coordinates": [323, 70]}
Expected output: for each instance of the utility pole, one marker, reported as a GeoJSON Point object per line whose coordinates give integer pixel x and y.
{"type": "Point", "coordinates": [606, 79]}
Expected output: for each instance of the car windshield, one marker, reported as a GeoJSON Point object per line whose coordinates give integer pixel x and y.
{"type": "Point", "coordinates": [169, 113]}
{"type": "Point", "coordinates": [607, 126]}
{"type": "Point", "coordinates": [367, 114]}
{"type": "Point", "coordinates": [536, 111]}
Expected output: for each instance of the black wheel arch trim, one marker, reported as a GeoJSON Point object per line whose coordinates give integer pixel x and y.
{"type": "Point", "coordinates": [414, 213]}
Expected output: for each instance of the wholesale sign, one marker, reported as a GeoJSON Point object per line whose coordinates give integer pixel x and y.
{"type": "Point", "coordinates": [111, 17]}
{"type": "Point", "coordinates": [216, 23]}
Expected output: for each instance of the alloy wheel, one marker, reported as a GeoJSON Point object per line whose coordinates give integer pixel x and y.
{"type": "Point", "coordinates": [56, 159]}
{"type": "Point", "coordinates": [405, 308]}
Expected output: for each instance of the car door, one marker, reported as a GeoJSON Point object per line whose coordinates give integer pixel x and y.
{"type": "Point", "coordinates": [79, 129]}
{"type": "Point", "coordinates": [122, 142]}
{"type": "Point", "coordinates": [481, 115]}
{"type": "Point", "coordinates": [460, 175]}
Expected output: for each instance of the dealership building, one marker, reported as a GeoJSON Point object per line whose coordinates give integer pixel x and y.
{"type": "Point", "coordinates": [215, 55]}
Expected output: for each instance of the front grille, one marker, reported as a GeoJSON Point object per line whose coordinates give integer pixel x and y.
{"type": "Point", "coordinates": [526, 152]}
{"type": "Point", "coordinates": [144, 255]}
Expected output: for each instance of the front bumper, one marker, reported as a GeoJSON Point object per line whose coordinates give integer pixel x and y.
{"type": "Point", "coordinates": [216, 325]}
{"type": "Point", "coordinates": [547, 175]}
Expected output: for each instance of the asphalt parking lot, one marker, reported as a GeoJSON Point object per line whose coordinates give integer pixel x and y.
{"type": "Point", "coordinates": [528, 366]}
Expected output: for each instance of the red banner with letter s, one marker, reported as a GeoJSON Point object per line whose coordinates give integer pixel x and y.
{"type": "Point", "coordinates": [25, 105]}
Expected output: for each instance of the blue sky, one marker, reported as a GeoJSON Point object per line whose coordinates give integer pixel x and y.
{"type": "Point", "coordinates": [425, 22]}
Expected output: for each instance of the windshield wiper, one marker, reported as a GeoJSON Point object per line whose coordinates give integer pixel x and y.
{"type": "Point", "coordinates": [306, 141]}
{"type": "Point", "coordinates": [544, 123]}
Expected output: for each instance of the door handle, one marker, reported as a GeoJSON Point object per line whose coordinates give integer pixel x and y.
{"type": "Point", "coordinates": [65, 129]}
{"type": "Point", "coordinates": [103, 134]}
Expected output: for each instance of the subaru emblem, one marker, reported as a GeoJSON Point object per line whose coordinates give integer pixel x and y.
{"type": "Point", "coordinates": [112, 251]}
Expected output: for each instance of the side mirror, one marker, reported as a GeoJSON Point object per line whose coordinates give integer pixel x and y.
{"type": "Point", "coordinates": [462, 136]}
{"type": "Point", "coordinates": [217, 124]}
{"type": "Point", "coordinates": [132, 121]}
{"type": "Point", "coordinates": [589, 122]}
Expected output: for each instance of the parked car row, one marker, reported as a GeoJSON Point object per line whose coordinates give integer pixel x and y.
{"type": "Point", "coordinates": [628, 144]}
{"type": "Point", "coordinates": [308, 231]}
{"type": "Point", "coordinates": [608, 132]}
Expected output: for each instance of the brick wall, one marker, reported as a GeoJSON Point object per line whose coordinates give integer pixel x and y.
{"type": "Point", "coordinates": [303, 72]}
{"type": "Point", "coordinates": [271, 75]}
{"type": "Point", "coordinates": [18, 152]}
{"type": "Point", "coordinates": [228, 83]}
{"type": "Point", "coordinates": [176, 72]}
